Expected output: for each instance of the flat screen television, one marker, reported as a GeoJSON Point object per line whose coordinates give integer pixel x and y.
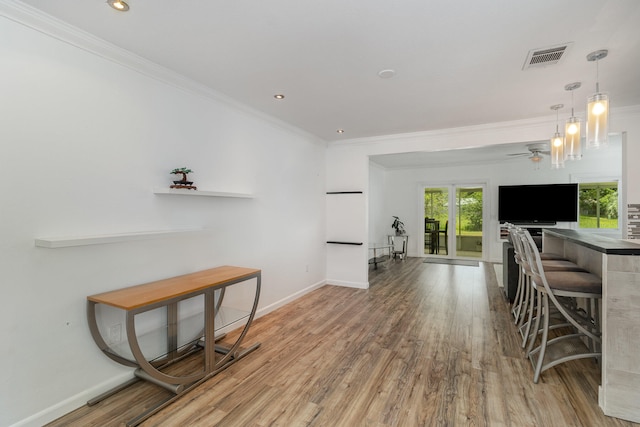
{"type": "Point", "coordinates": [538, 204]}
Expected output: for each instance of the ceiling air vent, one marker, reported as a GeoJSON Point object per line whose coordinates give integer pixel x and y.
{"type": "Point", "coordinates": [545, 56]}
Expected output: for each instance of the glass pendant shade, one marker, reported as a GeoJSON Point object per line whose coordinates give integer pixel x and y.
{"type": "Point", "coordinates": [597, 108]}
{"type": "Point", "coordinates": [597, 121]}
{"type": "Point", "coordinates": [572, 143]}
{"type": "Point", "coordinates": [557, 151]}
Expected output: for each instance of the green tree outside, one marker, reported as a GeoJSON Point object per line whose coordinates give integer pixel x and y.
{"type": "Point", "coordinates": [598, 204]}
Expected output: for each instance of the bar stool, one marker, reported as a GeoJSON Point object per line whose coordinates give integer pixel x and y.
{"type": "Point", "coordinates": [524, 303]}
{"type": "Point", "coordinates": [561, 290]}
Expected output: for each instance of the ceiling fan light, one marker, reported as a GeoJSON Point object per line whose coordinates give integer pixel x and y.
{"type": "Point", "coordinates": [572, 140]}
{"type": "Point", "coordinates": [536, 159]}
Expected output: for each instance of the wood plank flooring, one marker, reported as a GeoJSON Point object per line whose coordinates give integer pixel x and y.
{"type": "Point", "coordinates": [425, 345]}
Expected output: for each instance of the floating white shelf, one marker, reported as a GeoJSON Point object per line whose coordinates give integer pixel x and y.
{"type": "Point", "coordinates": [181, 192]}
{"type": "Point", "coordinates": [64, 242]}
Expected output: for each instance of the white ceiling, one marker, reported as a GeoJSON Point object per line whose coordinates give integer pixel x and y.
{"type": "Point", "coordinates": [489, 154]}
{"type": "Point", "coordinates": [457, 63]}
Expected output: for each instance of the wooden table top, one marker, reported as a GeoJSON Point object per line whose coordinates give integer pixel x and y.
{"type": "Point", "coordinates": [161, 290]}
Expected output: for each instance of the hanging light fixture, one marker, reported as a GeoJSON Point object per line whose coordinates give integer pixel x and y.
{"type": "Point", "coordinates": [557, 143]}
{"type": "Point", "coordinates": [572, 143]}
{"type": "Point", "coordinates": [597, 109]}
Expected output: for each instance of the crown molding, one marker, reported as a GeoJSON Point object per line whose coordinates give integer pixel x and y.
{"type": "Point", "coordinates": [619, 113]}
{"type": "Point", "coordinates": [37, 20]}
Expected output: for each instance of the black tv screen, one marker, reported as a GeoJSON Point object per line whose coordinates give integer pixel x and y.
{"type": "Point", "coordinates": [533, 204]}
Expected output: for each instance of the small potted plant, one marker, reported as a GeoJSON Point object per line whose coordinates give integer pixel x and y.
{"type": "Point", "coordinates": [398, 226]}
{"type": "Point", "coordinates": [183, 183]}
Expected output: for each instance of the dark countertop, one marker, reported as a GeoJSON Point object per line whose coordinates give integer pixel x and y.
{"type": "Point", "coordinates": [596, 242]}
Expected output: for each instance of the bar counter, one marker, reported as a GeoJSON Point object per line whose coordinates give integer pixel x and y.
{"type": "Point", "coordinates": [617, 262]}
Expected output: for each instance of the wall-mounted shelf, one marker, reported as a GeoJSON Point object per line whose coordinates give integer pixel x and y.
{"type": "Point", "coordinates": [344, 192]}
{"type": "Point", "coordinates": [64, 242]}
{"type": "Point", "coordinates": [181, 192]}
{"type": "Point", "coordinates": [336, 242]}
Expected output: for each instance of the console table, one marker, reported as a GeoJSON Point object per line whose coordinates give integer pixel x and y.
{"type": "Point", "coordinates": [167, 293]}
{"type": "Point", "coordinates": [617, 262]}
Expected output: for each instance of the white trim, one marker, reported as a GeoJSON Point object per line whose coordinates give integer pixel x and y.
{"type": "Point", "coordinates": [71, 404]}
{"type": "Point", "coordinates": [347, 284]}
{"type": "Point", "coordinates": [498, 132]}
{"type": "Point", "coordinates": [276, 305]}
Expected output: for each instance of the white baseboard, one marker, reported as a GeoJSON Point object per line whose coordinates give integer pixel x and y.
{"type": "Point", "coordinates": [498, 269]}
{"type": "Point", "coordinates": [71, 404]}
{"type": "Point", "coordinates": [271, 307]}
{"type": "Point", "coordinates": [359, 285]}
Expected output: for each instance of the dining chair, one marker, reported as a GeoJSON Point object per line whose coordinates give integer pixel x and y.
{"type": "Point", "coordinates": [431, 235]}
{"type": "Point", "coordinates": [445, 234]}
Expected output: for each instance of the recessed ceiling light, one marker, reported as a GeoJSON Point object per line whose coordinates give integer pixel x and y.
{"type": "Point", "coordinates": [386, 74]}
{"type": "Point", "coordinates": [278, 96]}
{"type": "Point", "coordinates": [340, 131]}
{"type": "Point", "coordinates": [118, 5]}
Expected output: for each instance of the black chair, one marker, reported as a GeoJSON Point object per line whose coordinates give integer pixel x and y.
{"type": "Point", "coordinates": [431, 235]}
{"type": "Point", "coordinates": [444, 232]}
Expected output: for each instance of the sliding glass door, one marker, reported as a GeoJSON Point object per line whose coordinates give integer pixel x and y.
{"type": "Point", "coordinates": [453, 221]}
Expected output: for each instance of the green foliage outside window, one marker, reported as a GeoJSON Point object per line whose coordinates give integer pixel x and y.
{"type": "Point", "coordinates": [469, 207]}
{"type": "Point", "coordinates": [598, 203]}
{"type": "Point", "coordinates": [436, 204]}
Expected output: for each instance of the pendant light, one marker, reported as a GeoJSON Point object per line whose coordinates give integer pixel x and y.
{"type": "Point", "coordinates": [557, 143]}
{"type": "Point", "coordinates": [597, 109]}
{"type": "Point", "coordinates": [572, 143]}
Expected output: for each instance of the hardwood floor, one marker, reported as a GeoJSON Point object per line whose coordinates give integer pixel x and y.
{"type": "Point", "coordinates": [425, 345]}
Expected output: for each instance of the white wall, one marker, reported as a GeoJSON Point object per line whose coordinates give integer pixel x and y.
{"type": "Point", "coordinates": [346, 265]}
{"type": "Point", "coordinates": [404, 188]}
{"type": "Point", "coordinates": [84, 140]}
{"type": "Point", "coordinates": [379, 218]}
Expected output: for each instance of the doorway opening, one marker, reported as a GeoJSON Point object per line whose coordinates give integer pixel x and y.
{"type": "Point", "coordinates": [453, 221]}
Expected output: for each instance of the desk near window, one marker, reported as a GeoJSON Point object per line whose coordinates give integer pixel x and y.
{"type": "Point", "coordinates": [210, 286]}
{"type": "Point", "coordinates": [617, 262]}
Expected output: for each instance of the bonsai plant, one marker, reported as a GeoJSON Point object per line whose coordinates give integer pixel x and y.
{"type": "Point", "coordinates": [183, 183]}
{"type": "Point", "coordinates": [398, 226]}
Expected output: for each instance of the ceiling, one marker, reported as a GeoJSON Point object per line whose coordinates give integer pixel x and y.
{"type": "Point", "coordinates": [456, 63]}
{"type": "Point", "coordinates": [498, 154]}
{"type": "Point", "coordinates": [489, 154]}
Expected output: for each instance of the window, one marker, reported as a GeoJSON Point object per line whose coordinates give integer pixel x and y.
{"type": "Point", "coordinates": [598, 203]}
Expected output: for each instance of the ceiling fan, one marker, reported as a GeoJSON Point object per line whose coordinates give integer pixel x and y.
{"type": "Point", "coordinates": [536, 152]}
